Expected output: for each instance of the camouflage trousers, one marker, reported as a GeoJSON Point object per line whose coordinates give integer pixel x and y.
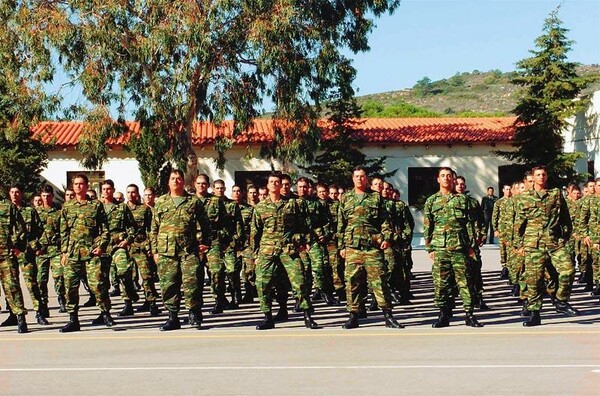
{"type": "Point", "coordinates": [321, 270]}
{"type": "Point", "coordinates": [542, 261]}
{"type": "Point", "coordinates": [181, 272]}
{"type": "Point", "coordinates": [212, 259]}
{"type": "Point", "coordinates": [9, 276]}
{"type": "Point", "coordinates": [146, 270]}
{"type": "Point", "coordinates": [366, 269]}
{"type": "Point", "coordinates": [596, 264]}
{"type": "Point", "coordinates": [336, 263]}
{"type": "Point", "coordinates": [249, 267]}
{"type": "Point", "coordinates": [47, 265]}
{"type": "Point", "coordinates": [232, 268]}
{"type": "Point", "coordinates": [515, 264]}
{"type": "Point", "coordinates": [504, 248]}
{"type": "Point", "coordinates": [122, 264]}
{"type": "Point", "coordinates": [271, 264]}
{"type": "Point", "coordinates": [450, 270]}
{"type": "Point", "coordinates": [29, 269]}
{"type": "Point", "coordinates": [398, 271]}
{"type": "Point", "coordinates": [96, 270]}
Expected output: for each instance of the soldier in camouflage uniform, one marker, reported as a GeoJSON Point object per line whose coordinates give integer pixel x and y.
{"type": "Point", "coordinates": [364, 233]}
{"type": "Point", "coordinates": [180, 232]}
{"type": "Point", "coordinates": [231, 242]}
{"type": "Point", "coordinates": [213, 258]}
{"type": "Point", "coordinates": [589, 233]}
{"type": "Point", "coordinates": [573, 196]}
{"type": "Point", "coordinates": [140, 248]}
{"type": "Point", "coordinates": [277, 233]}
{"type": "Point", "coordinates": [245, 255]}
{"type": "Point", "coordinates": [49, 259]}
{"type": "Point", "coordinates": [27, 259]}
{"type": "Point", "coordinates": [445, 230]}
{"type": "Point", "coordinates": [542, 226]}
{"type": "Point", "coordinates": [497, 214]}
{"type": "Point", "coordinates": [121, 227]}
{"type": "Point", "coordinates": [84, 239]}
{"type": "Point", "coordinates": [580, 230]}
{"type": "Point", "coordinates": [12, 243]}
{"type": "Point", "coordinates": [474, 262]}
{"type": "Point", "coordinates": [318, 220]}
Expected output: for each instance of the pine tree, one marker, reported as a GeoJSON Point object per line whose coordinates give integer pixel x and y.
{"type": "Point", "coordinates": [550, 86]}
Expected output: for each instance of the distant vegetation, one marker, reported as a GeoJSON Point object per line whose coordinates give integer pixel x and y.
{"type": "Point", "coordinates": [475, 94]}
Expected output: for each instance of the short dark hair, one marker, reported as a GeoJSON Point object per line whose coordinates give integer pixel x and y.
{"type": "Point", "coordinates": [151, 189]}
{"type": "Point", "coordinates": [218, 181]}
{"type": "Point", "coordinates": [445, 168]}
{"type": "Point", "coordinates": [461, 178]}
{"type": "Point", "coordinates": [137, 189]}
{"type": "Point", "coordinates": [285, 176]}
{"type": "Point", "coordinates": [18, 186]}
{"type": "Point", "coordinates": [321, 185]}
{"type": "Point", "coordinates": [359, 168]}
{"type": "Point", "coordinates": [177, 172]}
{"type": "Point", "coordinates": [109, 182]}
{"type": "Point", "coordinates": [276, 175]}
{"type": "Point", "coordinates": [81, 176]}
{"type": "Point", "coordinates": [48, 189]}
{"type": "Point", "coordinates": [304, 180]}
{"type": "Point", "coordinates": [538, 167]}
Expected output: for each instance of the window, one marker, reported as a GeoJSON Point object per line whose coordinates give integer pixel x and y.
{"type": "Point", "coordinates": [95, 177]}
{"type": "Point", "coordinates": [508, 174]}
{"type": "Point", "coordinates": [258, 178]}
{"type": "Point", "coordinates": [422, 182]}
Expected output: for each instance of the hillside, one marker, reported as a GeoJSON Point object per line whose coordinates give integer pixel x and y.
{"type": "Point", "coordinates": [477, 94]}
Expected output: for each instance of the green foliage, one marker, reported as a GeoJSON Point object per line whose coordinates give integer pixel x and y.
{"type": "Point", "coordinates": [373, 109]}
{"type": "Point", "coordinates": [24, 68]}
{"type": "Point", "coordinates": [187, 61]}
{"type": "Point", "coordinates": [550, 85]}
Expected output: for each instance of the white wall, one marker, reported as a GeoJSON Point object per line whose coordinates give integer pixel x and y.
{"type": "Point", "coordinates": [583, 136]}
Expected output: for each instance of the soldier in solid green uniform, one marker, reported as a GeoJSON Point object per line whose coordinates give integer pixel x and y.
{"type": "Point", "coordinates": [12, 243]}
{"type": "Point", "coordinates": [364, 233]}
{"type": "Point", "coordinates": [180, 232]}
{"type": "Point", "coordinates": [231, 241]}
{"type": "Point", "coordinates": [277, 234]}
{"type": "Point", "coordinates": [445, 230]}
{"type": "Point", "coordinates": [49, 259]}
{"type": "Point", "coordinates": [84, 239]}
{"type": "Point", "coordinates": [27, 259]}
{"type": "Point", "coordinates": [140, 248]}
{"type": "Point", "coordinates": [213, 258]}
{"type": "Point", "coordinates": [121, 227]}
{"type": "Point", "coordinates": [542, 227]}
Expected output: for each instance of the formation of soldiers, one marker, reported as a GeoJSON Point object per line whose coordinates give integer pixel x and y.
{"type": "Point", "coordinates": [320, 243]}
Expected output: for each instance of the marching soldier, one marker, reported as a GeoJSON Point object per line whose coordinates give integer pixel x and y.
{"type": "Point", "coordinates": [497, 214]}
{"type": "Point", "coordinates": [245, 254]}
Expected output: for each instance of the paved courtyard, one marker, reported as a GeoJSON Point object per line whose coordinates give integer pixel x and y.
{"type": "Point", "coordinates": [229, 357]}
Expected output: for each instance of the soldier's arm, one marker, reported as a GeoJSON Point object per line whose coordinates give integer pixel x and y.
{"type": "Point", "coordinates": [256, 229]}
{"type": "Point", "coordinates": [496, 214]}
{"type": "Point", "coordinates": [342, 223]}
{"type": "Point", "coordinates": [37, 229]}
{"type": "Point", "coordinates": [565, 219]}
{"type": "Point", "coordinates": [409, 224]}
{"type": "Point", "coordinates": [428, 224]}
{"type": "Point", "coordinates": [478, 223]}
{"type": "Point", "coordinates": [520, 225]}
{"type": "Point", "coordinates": [387, 228]}
{"type": "Point", "coordinates": [204, 227]}
{"type": "Point", "coordinates": [240, 235]}
{"type": "Point", "coordinates": [581, 227]}
{"type": "Point", "coordinates": [154, 227]}
{"type": "Point", "coordinates": [131, 225]}
{"type": "Point", "coordinates": [64, 230]}
{"type": "Point", "coordinates": [18, 229]}
{"type": "Point", "coordinates": [103, 238]}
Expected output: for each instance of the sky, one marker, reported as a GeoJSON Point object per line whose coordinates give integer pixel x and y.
{"type": "Point", "coordinates": [437, 39]}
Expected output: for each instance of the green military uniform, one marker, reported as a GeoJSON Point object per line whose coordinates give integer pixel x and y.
{"type": "Point", "coordinates": [573, 212]}
{"type": "Point", "coordinates": [12, 236]}
{"type": "Point", "coordinates": [121, 227]}
{"type": "Point", "coordinates": [497, 214]}
{"type": "Point", "coordinates": [140, 248]}
{"type": "Point", "coordinates": [474, 259]}
{"type": "Point", "coordinates": [179, 225]}
{"type": "Point", "coordinates": [49, 260]}
{"type": "Point", "coordinates": [402, 225]}
{"type": "Point", "coordinates": [83, 228]}
{"type": "Point", "coordinates": [247, 256]}
{"type": "Point", "coordinates": [446, 232]}
{"type": "Point", "coordinates": [277, 232]}
{"type": "Point", "coordinates": [319, 219]}
{"type": "Point", "coordinates": [363, 225]}
{"type": "Point", "coordinates": [231, 241]}
{"type": "Point", "coordinates": [593, 232]}
{"type": "Point", "coordinates": [27, 259]}
{"type": "Point", "coordinates": [542, 227]}
{"type": "Point", "coordinates": [580, 229]}
{"type": "Point", "coordinates": [506, 230]}
{"type": "Point", "coordinates": [336, 263]}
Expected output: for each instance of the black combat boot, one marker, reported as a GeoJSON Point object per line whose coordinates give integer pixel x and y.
{"type": "Point", "coordinates": [11, 320]}
{"type": "Point", "coordinates": [479, 303]}
{"type": "Point", "coordinates": [329, 299]}
{"type": "Point", "coordinates": [504, 273]}
{"type": "Point", "coordinates": [195, 319]}
{"type": "Point", "coordinates": [21, 324]}
{"type": "Point", "coordinates": [309, 322]}
{"type": "Point", "coordinates": [108, 320]}
{"type": "Point", "coordinates": [72, 325]}
{"type": "Point", "coordinates": [317, 295]}
{"type": "Point", "coordinates": [44, 311]}
{"type": "Point", "coordinates": [116, 291]}
{"type": "Point", "coordinates": [396, 295]}
{"type": "Point", "coordinates": [220, 304]}
{"type": "Point", "coordinates": [236, 297]}
{"type": "Point", "coordinates": [373, 306]}
{"type": "Point", "coordinates": [390, 321]}
{"type": "Point", "coordinates": [40, 319]}
{"type": "Point", "coordinates": [516, 290]}
{"type": "Point", "coordinates": [145, 307]}
{"type": "Point", "coordinates": [443, 319]}
{"type": "Point", "coordinates": [99, 320]}
{"type": "Point", "coordinates": [362, 314]}
{"type": "Point", "coordinates": [282, 313]}
{"type": "Point", "coordinates": [525, 313]}
{"type": "Point", "coordinates": [154, 310]}
{"type": "Point", "coordinates": [91, 302]}
{"type": "Point", "coordinates": [565, 308]}
{"type": "Point", "coordinates": [172, 323]}
{"type": "Point", "coordinates": [249, 294]}
{"type": "Point", "coordinates": [61, 304]}
{"type": "Point", "coordinates": [341, 294]}
{"type": "Point", "coordinates": [596, 291]}
{"type": "Point", "coordinates": [533, 320]}
{"type": "Point", "coordinates": [352, 322]}
{"type": "Point", "coordinates": [267, 322]}
{"type": "Point", "coordinates": [127, 309]}
{"type": "Point", "coordinates": [471, 321]}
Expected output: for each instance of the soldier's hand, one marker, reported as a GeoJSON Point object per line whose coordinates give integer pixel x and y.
{"type": "Point", "coordinates": [596, 245]}
{"type": "Point", "coordinates": [123, 244]}
{"type": "Point", "coordinates": [97, 252]}
{"type": "Point", "coordinates": [431, 255]}
{"type": "Point", "coordinates": [496, 234]}
{"type": "Point", "coordinates": [16, 252]}
{"type": "Point", "coordinates": [39, 252]}
{"type": "Point", "coordinates": [384, 245]}
{"type": "Point", "coordinates": [201, 249]}
{"type": "Point", "coordinates": [521, 251]}
{"type": "Point", "coordinates": [343, 253]}
{"type": "Point", "coordinates": [155, 258]}
{"type": "Point", "coordinates": [63, 260]}
{"type": "Point", "coordinates": [587, 241]}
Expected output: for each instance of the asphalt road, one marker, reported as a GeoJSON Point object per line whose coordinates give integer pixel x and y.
{"type": "Point", "coordinates": [229, 357]}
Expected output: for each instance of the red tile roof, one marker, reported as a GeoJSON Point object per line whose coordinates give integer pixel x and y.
{"type": "Point", "coordinates": [371, 130]}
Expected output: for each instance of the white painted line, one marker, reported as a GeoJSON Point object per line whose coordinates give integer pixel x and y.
{"type": "Point", "coordinates": [394, 367]}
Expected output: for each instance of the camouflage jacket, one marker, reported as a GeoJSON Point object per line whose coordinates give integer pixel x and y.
{"type": "Point", "coordinates": [594, 224]}
{"type": "Point", "coordinates": [363, 221]}
{"type": "Point", "coordinates": [142, 217]}
{"type": "Point", "coordinates": [179, 228]}
{"type": "Point", "coordinates": [446, 222]}
{"type": "Point", "coordinates": [332, 208]}
{"type": "Point", "coordinates": [573, 212]}
{"type": "Point", "coordinates": [34, 226]}
{"type": "Point", "coordinates": [505, 209]}
{"type": "Point", "coordinates": [542, 219]}
{"type": "Point", "coordinates": [246, 211]}
{"type": "Point", "coordinates": [402, 223]}
{"type": "Point", "coordinates": [581, 228]}
{"type": "Point", "coordinates": [12, 229]}
{"type": "Point", "coordinates": [476, 218]}
{"type": "Point", "coordinates": [278, 227]}
{"type": "Point", "coordinates": [216, 213]}
{"type": "Point", "coordinates": [121, 225]}
{"type": "Point", "coordinates": [233, 237]}
{"type": "Point", "coordinates": [50, 239]}
{"type": "Point", "coordinates": [83, 228]}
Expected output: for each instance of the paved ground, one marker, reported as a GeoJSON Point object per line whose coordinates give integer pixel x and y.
{"type": "Point", "coordinates": [229, 357]}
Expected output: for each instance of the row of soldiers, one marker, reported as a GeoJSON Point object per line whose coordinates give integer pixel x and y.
{"type": "Point", "coordinates": [543, 235]}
